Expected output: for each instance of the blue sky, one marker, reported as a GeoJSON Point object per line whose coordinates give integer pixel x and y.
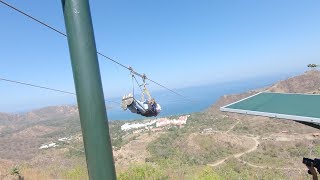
{"type": "Point", "coordinates": [179, 43]}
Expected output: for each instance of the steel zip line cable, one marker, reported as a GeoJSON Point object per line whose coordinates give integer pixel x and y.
{"type": "Point", "coordinates": [43, 87]}
{"type": "Point", "coordinates": [106, 57]}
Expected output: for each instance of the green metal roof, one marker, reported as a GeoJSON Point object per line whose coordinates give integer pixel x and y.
{"type": "Point", "coordinates": [299, 107]}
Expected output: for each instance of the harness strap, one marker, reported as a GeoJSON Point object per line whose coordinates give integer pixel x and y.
{"type": "Point", "coordinates": [145, 90]}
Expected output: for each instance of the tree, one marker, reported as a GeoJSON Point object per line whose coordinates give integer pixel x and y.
{"type": "Point", "coordinates": [312, 66]}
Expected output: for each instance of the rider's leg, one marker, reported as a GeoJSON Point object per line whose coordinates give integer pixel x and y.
{"type": "Point", "coordinates": [140, 106]}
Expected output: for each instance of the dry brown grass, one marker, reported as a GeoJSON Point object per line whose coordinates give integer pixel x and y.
{"type": "Point", "coordinates": [134, 151]}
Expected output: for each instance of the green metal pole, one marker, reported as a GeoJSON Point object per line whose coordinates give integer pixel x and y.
{"type": "Point", "coordinates": [86, 73]}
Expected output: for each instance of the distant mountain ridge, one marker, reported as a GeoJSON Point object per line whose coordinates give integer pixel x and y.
{"type": "Point", "coordinates": [39, 114]}
{"type": "Point", "coordinates": [309, 82]}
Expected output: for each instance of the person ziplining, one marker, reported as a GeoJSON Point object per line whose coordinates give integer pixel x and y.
{"type": "Point", "coordinates": [146, 107]}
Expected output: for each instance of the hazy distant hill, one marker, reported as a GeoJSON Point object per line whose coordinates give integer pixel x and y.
{"type": "Point", "coordinates": [309, 82]}
{"type": "Point", "coordinates": [40, 114]}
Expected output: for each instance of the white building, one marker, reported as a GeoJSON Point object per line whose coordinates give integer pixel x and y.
{"type": "Point", "coordinates": [65, 139]}
{"type": "Point", "coordinates": [46, 146]}
{"type": "Point", "coordinates": [178, 122]}
{"type": "Point", "coordinates": [128, 126]}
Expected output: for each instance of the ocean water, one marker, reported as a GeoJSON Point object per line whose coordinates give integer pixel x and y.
{"type": "Point", "coordinates": [203, 96]}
